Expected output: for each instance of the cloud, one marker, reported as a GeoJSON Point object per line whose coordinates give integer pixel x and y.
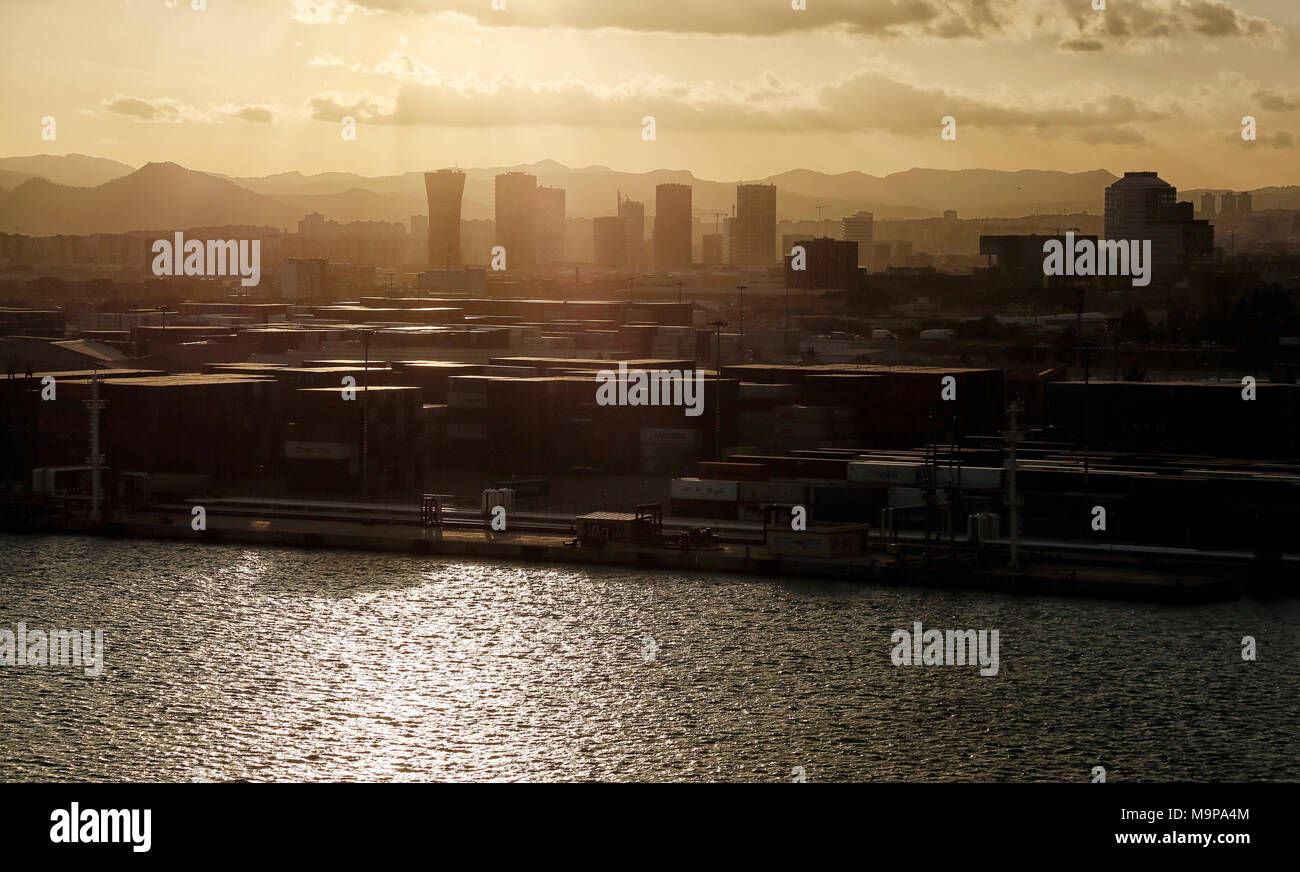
{"type": "Point", "coordinates": [1070, 22]}
{"type": "Point", "coordinates": [1277, 101]}
{"type": "Point", "coordinates": [161, 109]}
{"type": "Point", "coordinates": [259, 114]}
{"type": "Point", "coordinates": [868, 100]}
{"type": "Point", "coordinates": [333, 107]}
{"type": "Point", "coordinates": [166, 110]}
{"type": "Point", "coordinates": [1276, 139]}
{"type": "Point", "coordinates": [322, 11]}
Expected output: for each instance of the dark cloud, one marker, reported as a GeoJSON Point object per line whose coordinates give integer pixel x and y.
{"type": "Point", "coordinates": [334, 108]}
{"type": "Point", "coordinates": [145, 110]}
{"type": "Point", "coordinates": [1068, 21]}
{"type": "Point", "coordinates": [1277, 101]}
{"type": "Point", "coordinates": [1276, 139]}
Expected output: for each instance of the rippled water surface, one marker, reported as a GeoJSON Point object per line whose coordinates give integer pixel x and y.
{"type": "Point", "coordinates": [230, 663]}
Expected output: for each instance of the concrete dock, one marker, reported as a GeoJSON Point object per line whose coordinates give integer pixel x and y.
{"type": "Point", "coordinates": [1084, 579]}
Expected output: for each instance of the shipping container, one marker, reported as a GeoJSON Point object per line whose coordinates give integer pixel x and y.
{"type": "Point", "coordinates": [877, 472]}
{"type": "Point", "coordinates": [710, 469]}
{"type": "Point", "coordinates": [772, 492]}
{"type": "Point", "coordinates": [703, 489]}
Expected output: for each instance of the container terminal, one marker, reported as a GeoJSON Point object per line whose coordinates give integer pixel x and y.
{"type": "Point", "coordinates": [401, 422]}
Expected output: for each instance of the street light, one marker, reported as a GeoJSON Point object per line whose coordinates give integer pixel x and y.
{"type": "Point", "coordinates": [741, 288]}
{"type": "Point", "coordinates": [365, 390]}
{"type": "Point", "coordinates": [717, 389]}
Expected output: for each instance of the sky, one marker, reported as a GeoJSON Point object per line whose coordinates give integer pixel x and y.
{"type": "Point", "coordinates": [738, 89]}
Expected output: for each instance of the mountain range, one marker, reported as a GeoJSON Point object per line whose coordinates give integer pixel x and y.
{"type": "Point", "coordinates": [77, 194]}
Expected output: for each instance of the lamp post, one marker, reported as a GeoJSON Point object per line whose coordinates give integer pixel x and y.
{"type": "Point", "coordinates": [631, 290]}
{"type": "Point", "coordinates": [679, 292]}
{"type": "Point", "coordinates": [365, 417]}
{"type": "Point", "coordinates": [717, 388]}
{"type": "Point", "coordinates": [785, 337]}
{"type": "Point", "coordinates": [741, 289]}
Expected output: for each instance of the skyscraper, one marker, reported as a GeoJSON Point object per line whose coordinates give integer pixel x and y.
{"type": "Point", "coordinates": [632, 214]}
{"type": "Point", "coordinates": [550, 225]}
{"type": "Point", "coordinates": [753, 231]}
{"type": "Point", "coordinates": [419, 240]}
{"type": "Point", "coordinates": [861, 228]}
{"type": "Point", "coordinates": [1144, 206]}
{"type": "Point", "coordinates": [609, 242]}
{"type": "Point", "coordinates": [516, 218]}
{"type": "Point", "coordinates": [672, 226]}
{"type": "Point", "coordinates": [712, 254]}
{"type": "Point", "coordinates": [444, 190]}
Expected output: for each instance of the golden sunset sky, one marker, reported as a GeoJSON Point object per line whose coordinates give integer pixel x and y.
{"type": "Point", "coordinates": [739, 88]}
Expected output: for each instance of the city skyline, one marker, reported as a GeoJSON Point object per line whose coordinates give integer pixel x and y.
{"type": "Point", "coordinates": [736, 91]}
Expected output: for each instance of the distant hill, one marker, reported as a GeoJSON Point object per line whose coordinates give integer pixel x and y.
{"type": "Point", "coordinates": [78, 170]}
{"type": "Point", "coordinates": [164, 195]}
{"type": "Point", "coordinates": [589, 192]}
{"type": "Point", "coordinates": [594, 191]}
{"type": "Point", "coordinates": [157, 196]}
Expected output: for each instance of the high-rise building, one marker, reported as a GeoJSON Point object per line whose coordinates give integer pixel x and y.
{"type": "Point", "coordinates": [861, 228]}
{"type": "Point", "coordinates": [753, 231]}
{"type": "Point", "coordinates": [312, 226]}
{"type": "Point", "coordinates": [1228, 203]}
{"type": "Point", "coordinates": [609, 241]}
{"type": "Point", "coordinates": [1207, 205]}
{"type": "Point", "coordinates": [880, 257]}
{"type": "Point", "coordinates": [550, 225]}
{"type": "Point", "coordinates": [828, 263]}
{"type": "Point", "coordinates": [1143, 206]}
{"type": "Point", "coordinates": [419, 239]}
{"type": "Point", "coordinates": [901, 253]}
{"type": "Point", "coordinates": [632, 214]}
{"type": "Point", "coordinates": [672, 226]}
{"type": "Point", "coordinates": [712, 255]}
{"type": "Point", "coordinates": [444, 190]}
{"type": "Point", "coordinates": [1243, 201]}
{"type": "Point", "coordinates": [516, 218]}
